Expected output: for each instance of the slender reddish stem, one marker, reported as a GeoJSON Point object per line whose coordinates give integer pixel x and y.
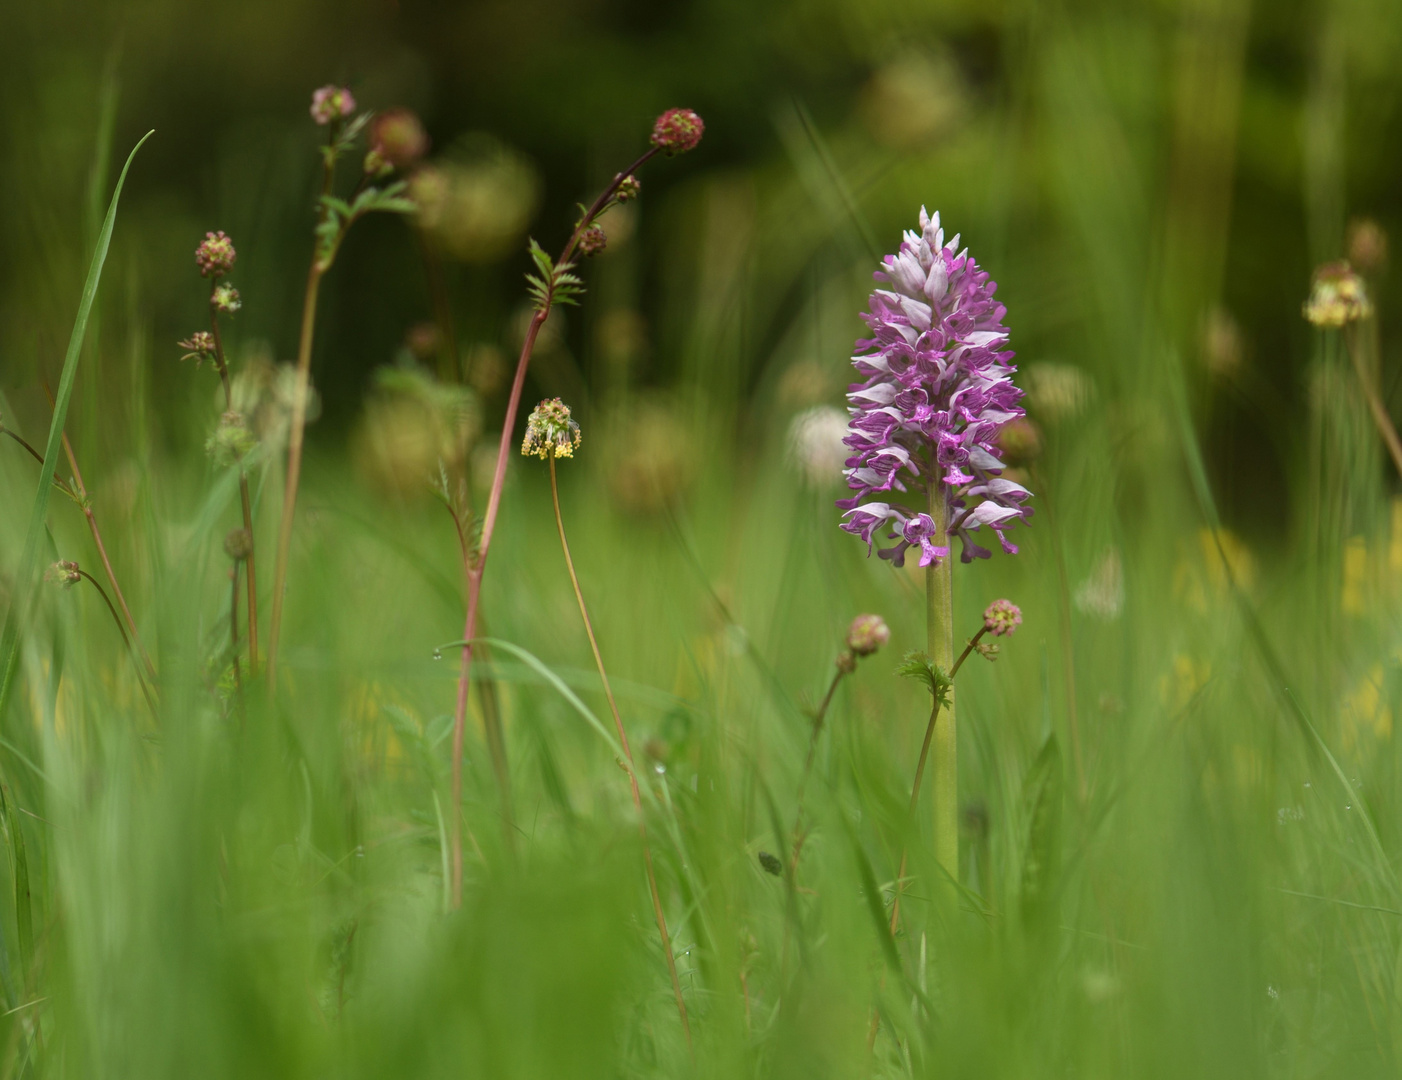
{"type": "Point", "coordinates": [627, 752]}
{"type": "Point", "coordinates": [294, 466]}
{"type": "Point", "coordinates": [299, 418]}
{"type": "Point", "coordinates": [1367, 383]}
{"type": "Point", "coordinates": [102, 553]}
{"type": "Point", "coordinates": [475, 568]}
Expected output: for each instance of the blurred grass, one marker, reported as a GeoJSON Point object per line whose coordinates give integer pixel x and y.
{"type": "Point", "coordinates": [1213, 576]}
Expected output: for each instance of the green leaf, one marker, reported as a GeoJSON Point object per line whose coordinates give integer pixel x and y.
{"type": "Point", "coordinates": [544, 263]}
{"type": "Point", "coordinates": [24, 914]}
{"type": "Point", "coordinates": [27, 573]}
{"type": "Point", "coordinates": [1041, 795]}
{"type": "Point", "coordinates": [917, 665]}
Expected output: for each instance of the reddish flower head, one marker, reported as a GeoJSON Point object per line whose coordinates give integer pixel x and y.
{"type": "Point", "coordinates": [867, 634]}
{"type": "Point", "coordinates": [677, 131]}
{"type": "Point", "coordinates": [332, 103]}
{"type": "Point", "coordinates": [592, 240]}
{"type": "Point", "coordinates": [215, 256]}
{"type": "Point", "coordinates": [1002, 617]}
{"type": "Point", "coordinates": [398, 137]}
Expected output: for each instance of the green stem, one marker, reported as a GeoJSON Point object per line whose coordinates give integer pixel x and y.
{"type": "Point", "coordinates": [246, 504]}
{"type": "Point", "coordinates": [939, 612]}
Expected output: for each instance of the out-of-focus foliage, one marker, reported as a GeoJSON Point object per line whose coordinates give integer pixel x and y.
{"type": "Point", "coordinates": [1180, 782]}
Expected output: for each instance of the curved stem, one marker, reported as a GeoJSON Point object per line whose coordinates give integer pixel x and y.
{"type": "Point", "coordinates": [299, 415]}
{"type": "Point", "coordinates": [623, 741]}
{"type": "Point", "coordinates": [140, 678]}
{"type": "Point", "coordinates": [800, 837]}
{"type": "Point", "coordinates": [475, 568]}
{"type": "Point", "coordinates": [1367, 382]}
{"type": "Point", "coordinates": [58, 482]}
{"type": "Point", "coordinates": [82, 492]}
{"type": "Point", "coordinates": [920, 773]}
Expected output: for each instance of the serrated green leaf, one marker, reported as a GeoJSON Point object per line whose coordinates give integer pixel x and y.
{"type": "Point", "coordinates": [917, 665]}
{"type": "Point", "coordinates": [336, 205]}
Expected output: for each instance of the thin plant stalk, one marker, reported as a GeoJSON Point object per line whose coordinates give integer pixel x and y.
{"type": "Point", "coordinates": [86, 504]}
{"type": "Point", "coordinates": [628, 753]}
{"type": "Point", "coordinates": [930, 730]}
{"type": "Point", "coordinates": [126, 642]}
{"type": "Point", "coordinates": [491, 706]}
{"type": "Point", "coordinates": [234, 627]}
{"type": "Point", "coordinates": [798, 834]}
{"type": "Point", "coordinates": [475, 567]}
{"type": "Point", "coordinates": [299, 422]}
{"type": "Point", "coordinates": [251, 575]}
{"type": "Point", "coordinates": [939, 613]}
{"type": "Point", "coordinates": [1358, 340]}
{"type": "Point", "coordinates": [58, 481]}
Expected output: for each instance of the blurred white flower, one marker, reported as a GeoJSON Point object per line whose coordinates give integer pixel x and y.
{"type": "Point", "coordinates": [1058, 391]}
{"type": "Point", "coordinates": [815, 445]}
{"type": "Point", "coordinates": [1102, 594]}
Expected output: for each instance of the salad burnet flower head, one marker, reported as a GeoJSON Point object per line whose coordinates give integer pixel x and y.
{"type": "Point", "coordinates": [936, 391]}
{"type": "Point", "coordinates": [330, 103]}
{"type": "Point", "coordinates": [550, 431]}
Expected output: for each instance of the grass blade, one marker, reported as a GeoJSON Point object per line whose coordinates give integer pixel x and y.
{"type": "Point", "coordinates": [28, 564]}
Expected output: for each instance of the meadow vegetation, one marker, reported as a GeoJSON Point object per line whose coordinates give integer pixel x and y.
{"type": "Point", "coordinates": [297, 783]}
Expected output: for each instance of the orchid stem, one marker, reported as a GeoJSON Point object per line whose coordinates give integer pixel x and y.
{"type": "Point", "coordinates": [627, 751]}
{"type": "Point", "coordinates": [939, 597]}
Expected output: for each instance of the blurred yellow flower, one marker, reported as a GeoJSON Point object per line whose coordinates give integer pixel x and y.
{"type": "Point", "coordinates": [1177, 687]}
{"type": "Point", "coordinates": [1201, 577]}
{"type": "Point", "coordinates": [1365, 710]}
{"type": "Point", "coordinates": [1354, 597]}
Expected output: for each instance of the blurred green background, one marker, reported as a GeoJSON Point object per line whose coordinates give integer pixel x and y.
{"type": "Point", "coordinates": [1125, 171]}
{"type": "Point", "coordinates": [1182, 792]}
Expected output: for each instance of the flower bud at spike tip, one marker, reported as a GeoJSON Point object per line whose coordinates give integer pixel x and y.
{"type": "Point", "coordinates": [867, 634]}
{"type": "Point", "coordinates": [331, 103]}
{"type": "Point", "coordinates": [215, 256]}
{"type": "Point", "coordinates": [677, 131]}
{"type": "Point", "coordinates": [226, 299]}
{"type": "Point", "coordinates": [1337, 298]}
{"type": "Point", "coordinates": [549, 430]}
{"type": "Point", "coordinates": [238, 544]}
{"type": "Point", "coordinates": [592, 240]}
{"type": "Point", "coordinates": [398, 137]}
{"type": "Point", "coordinates": [630, 187]}
{"type": "Point", "coordinates": [63, 573]}
{"type": "Point", "coordinates": [1002, 618]}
